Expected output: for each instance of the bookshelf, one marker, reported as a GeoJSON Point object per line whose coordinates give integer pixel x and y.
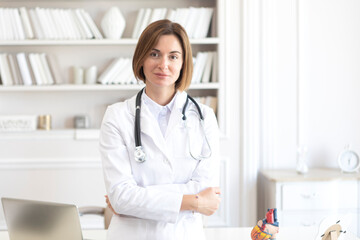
{"type": "Point", "coordinates": [95, 87]}
{"type": "Point", "coordinates": [107, 42]}
{"type": "Point", "coordinates": [65, 54]}
{"type": "Point", "coordinates": [65, 100]}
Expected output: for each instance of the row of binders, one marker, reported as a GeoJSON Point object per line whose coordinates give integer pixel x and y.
{"type": "Point", "coordinates": [22, 69]}
{"type": "Point", "coordinates": [120, 70]}
{"type": "Point", "coordinates": [47, 23]}
{"type": "Point", "coordinates": [196, 21]}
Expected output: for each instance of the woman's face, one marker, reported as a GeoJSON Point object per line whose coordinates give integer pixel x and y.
{"type": "Point", "coordinates": [163, 64]}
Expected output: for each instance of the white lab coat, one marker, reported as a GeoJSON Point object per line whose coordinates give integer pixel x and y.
{"type": "Point", "coordinates": [148, 195]}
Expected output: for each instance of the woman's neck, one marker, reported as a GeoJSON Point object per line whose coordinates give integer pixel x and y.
{"type": "Point", "coordinates": [160, 95]}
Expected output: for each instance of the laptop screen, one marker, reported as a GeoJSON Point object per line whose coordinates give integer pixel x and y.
{"type": "Point", "coordinates": [35, 220]}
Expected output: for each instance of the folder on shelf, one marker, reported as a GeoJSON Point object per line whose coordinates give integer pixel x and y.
{"type": "Point", "coordinates": [5, 71]}
{"type": "Point", "coordinates": [24, 69]}
{"type": "Point", "coordinates": [26, 23]}
{"type": "Point", "coordinates": [15, 70]}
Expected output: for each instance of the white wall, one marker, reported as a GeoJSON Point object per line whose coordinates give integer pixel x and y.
{"type": "Point", "coordinates": [329, 72]}
{"type": "Point", "coordinates": [309, 85]}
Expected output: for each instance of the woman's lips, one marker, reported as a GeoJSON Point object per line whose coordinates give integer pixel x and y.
{"type": "Point", "coordinates": [161, 75]}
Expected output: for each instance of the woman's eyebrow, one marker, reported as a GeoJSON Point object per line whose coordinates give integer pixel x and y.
{"type": "Point", "coordinates": [175, 51]}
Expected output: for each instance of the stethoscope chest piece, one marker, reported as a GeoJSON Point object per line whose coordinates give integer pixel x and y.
{"type": "Point", "coordinates": [139, 154]}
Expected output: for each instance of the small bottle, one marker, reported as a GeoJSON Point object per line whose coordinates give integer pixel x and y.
{"type": "Point", "coordinates": [45, 122]}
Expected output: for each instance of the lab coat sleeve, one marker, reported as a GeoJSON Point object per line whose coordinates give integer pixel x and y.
{"type": "Point", "coordinates": [125, 195]}
{"type": "Point", "coordinates": [207, 174]}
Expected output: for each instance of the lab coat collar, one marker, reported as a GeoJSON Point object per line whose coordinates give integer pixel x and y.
{"type": "Point", "coordinates": [147, 121]}
{"type": "Point", "coordinates": [179, 102]}
{"type": "Point", "coordinates": [156, 108]}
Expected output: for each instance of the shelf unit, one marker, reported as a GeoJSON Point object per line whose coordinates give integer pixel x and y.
{"type": "Point", "coordinates": [64, 54]}
{"type": "Point", "coordinates": [123, 41]}
{"type": "Point", "coordinates": [93, 87]}
{"type": "Point", "coordinates": [65, 100]}
{"type": "Point", "coordinates": [64, 134]}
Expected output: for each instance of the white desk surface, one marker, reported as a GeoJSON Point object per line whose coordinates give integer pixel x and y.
{"type": "Point", "coordinates": [306, 233]}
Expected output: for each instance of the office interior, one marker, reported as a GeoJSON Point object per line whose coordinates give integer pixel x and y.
{"type": "Point", "coordinates": [287, 94]}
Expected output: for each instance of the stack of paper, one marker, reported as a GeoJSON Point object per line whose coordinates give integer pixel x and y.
{"type": "Point", "coordinates": [46, 23]}
{"type": "Point", "coordinates": [20, 69]}
{"type": "Point", "coordinates": [196, 21]}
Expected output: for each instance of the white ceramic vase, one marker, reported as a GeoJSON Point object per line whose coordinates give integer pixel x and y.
{"type": "Point", "coordinates": [113, 23]}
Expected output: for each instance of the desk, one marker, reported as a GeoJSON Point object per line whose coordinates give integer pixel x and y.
{"type": "Point", "coordinates": [307, 233]}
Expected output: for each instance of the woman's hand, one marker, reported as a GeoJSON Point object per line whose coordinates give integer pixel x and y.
{"type": "Point", "coordinates": [208, 201]}
{"type": "Point", "coordinates": [109, 204]}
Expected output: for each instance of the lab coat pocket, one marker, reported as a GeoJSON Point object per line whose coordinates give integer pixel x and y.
{"type": "Point", "coordinates": [188, 141]}
{"type": "Point", "coordinates": [183, 161]}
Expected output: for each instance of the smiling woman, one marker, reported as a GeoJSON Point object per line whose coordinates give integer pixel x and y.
{"type": "Point", "coordinates": [163, 65]}
{"type": "Point", "coordinates": [161, 194]}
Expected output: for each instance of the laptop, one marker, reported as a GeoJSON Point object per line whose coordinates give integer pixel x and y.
{"type": "Point", "coordinates": [36, 220]}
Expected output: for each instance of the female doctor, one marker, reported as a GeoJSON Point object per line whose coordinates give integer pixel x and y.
{"type": "Point", "coordinates": [161, 179]}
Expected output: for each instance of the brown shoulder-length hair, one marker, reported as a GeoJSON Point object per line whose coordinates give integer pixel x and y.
{"type": "Point", "coordinates": [149, 38]}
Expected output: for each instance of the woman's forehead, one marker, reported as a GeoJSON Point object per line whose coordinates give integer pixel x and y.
{"type": "Point", "coordinates": [168, 43]}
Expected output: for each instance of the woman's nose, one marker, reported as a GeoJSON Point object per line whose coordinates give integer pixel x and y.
{"type": "Point", "coordinates": [164, 63]}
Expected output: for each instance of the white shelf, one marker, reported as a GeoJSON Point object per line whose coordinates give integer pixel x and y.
{"type": "Point", "coordinates": [95, 87]}
{"type": "Point", "coordinates": [94, 42]}
{"type": "Point", "coordinates": [66, 134]}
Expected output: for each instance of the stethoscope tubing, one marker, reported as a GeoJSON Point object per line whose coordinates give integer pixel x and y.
{"type": "Point", "coordinates": [139, 153]}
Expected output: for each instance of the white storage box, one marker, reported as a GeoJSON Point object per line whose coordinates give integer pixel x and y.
{"type": "Point", "coordinates": [18, 123]}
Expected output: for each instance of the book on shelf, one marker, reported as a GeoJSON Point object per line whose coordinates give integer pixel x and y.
{"type": "Point", "coordinates": [144, 21]}
{"type": "Point", "coordinates": [196, 21]}
{"type": "Point", "coordinates": [5, 71]}
{"type": "Point", "coordinates": [214, 72]}
{"type": "Point", "coordinates": [138, 21]}
{"type": "Point", "coordinates": [36, 69]}
{"type": "Point", "coordinates": [118, 72]}
{"type": "Point", "coordinates": [46, 68]}
{"type": "Point", "coordinates": [19, 29]}
{"type": "Point", "coordinates": [157, 14]}
{"type": "Point", "coordinates": [204, 67]}
{"type": "Point", "coordinates": [14, 66]}
{"type": "Point", "coordinates": [20, 69]}
{"type": "Point", "coordinates": [203, 24]}
{"type": "Point", "coordinates": [24, 69]}
{"type": "Point", "coordinates": [46, 23]}
{"type": "Point", "coordinates": [207, 68]}
{"type": "Point", "coordinates": [199, 65]}
{"type": "Point", "coordinates": [90, 22]}
{"type": "Point", "coordinates": [38, 32]}
{"type": "Point", "coordinates": [29, 34]}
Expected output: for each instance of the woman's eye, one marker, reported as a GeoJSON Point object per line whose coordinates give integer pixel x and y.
{"type": "Point", "coordinates": [154, 54]}
{"type": "Point", "coordinates": [174, 57]}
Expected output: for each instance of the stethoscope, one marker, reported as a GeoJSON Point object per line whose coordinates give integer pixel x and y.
{"type": "Point", "coordinates": [139, 153]}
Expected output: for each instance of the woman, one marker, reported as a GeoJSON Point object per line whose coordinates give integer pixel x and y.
{"type": "Point", "coordinates": [164, 196]}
